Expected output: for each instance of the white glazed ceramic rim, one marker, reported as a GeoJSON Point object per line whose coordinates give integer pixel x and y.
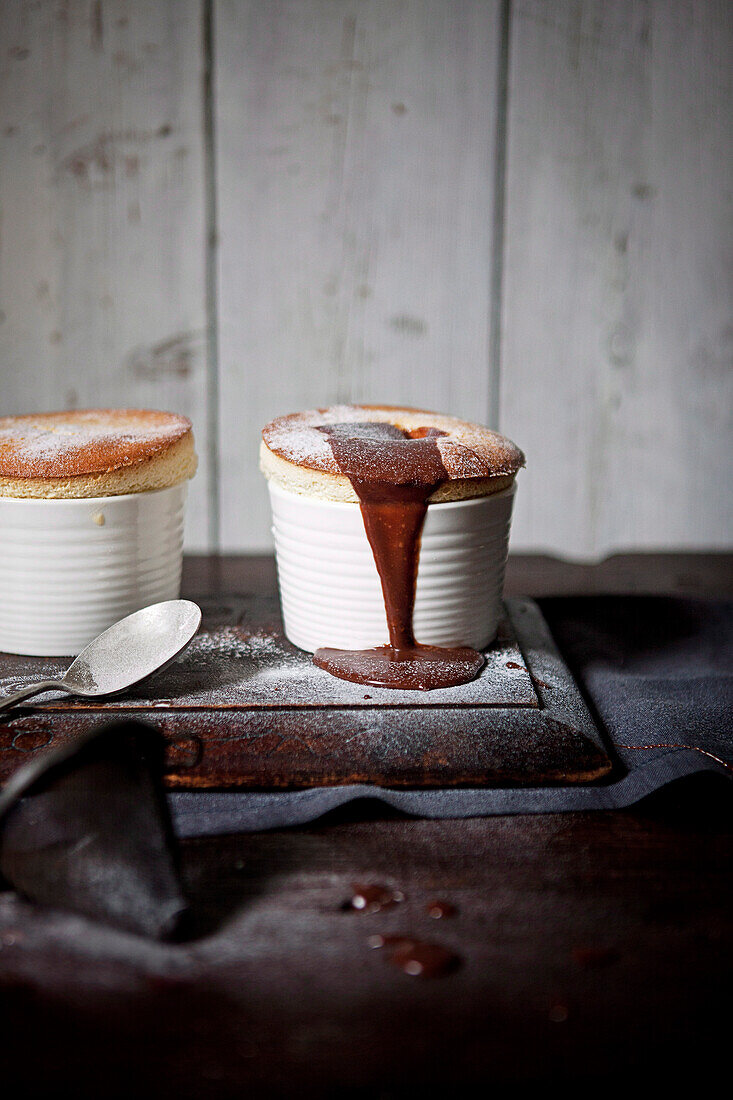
{"type": "Point", "coordinates": [329, 588]}
{"type": "Point", "coordinates": [105, 501]}
{"type": "Point", "coordinates": [443, 505]}
{"type": "Point", "coordinates": [67, 577]}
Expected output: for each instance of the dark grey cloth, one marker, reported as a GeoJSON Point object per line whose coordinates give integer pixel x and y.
{"type": "Point", "coordinates": [657, 674]}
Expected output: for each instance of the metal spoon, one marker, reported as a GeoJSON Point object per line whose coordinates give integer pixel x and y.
{"type": "Point", "coordinates": [126, 653]}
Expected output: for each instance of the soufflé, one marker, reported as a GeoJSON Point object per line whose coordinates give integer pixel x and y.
{"type": "Point", "coordinates": [413, 502]}
{"type": "Point", "coordinates": [91, 521]}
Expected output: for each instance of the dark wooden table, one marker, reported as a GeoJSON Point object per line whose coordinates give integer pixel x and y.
{"type": "Point", "coordinates": [595, 948]}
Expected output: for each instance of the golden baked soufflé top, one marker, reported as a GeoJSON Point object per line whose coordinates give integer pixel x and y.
{"type": "Point", "coordinates": [94, 452]}
{"type": "Point", "coordinates": [297, 456]}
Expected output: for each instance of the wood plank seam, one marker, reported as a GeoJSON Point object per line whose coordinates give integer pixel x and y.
{"type": "Point", "coordinates": [498, 220]}
{"type": "Point", "coordinates": [211, 279]}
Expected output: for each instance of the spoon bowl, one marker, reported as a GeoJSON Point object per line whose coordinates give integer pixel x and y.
{"type": "Point", "coordinates": [133, 648]}
{"type": "Point", "coordinates": [126, 653]}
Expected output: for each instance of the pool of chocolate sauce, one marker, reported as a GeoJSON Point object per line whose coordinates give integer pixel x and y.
{"type": "Point", "coordinates": [394, 473]}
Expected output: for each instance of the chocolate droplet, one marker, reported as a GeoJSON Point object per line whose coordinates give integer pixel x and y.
{"type": "Point", "coordinates": [373, 897]}
{"type": "Point", "coordinates": [440, 909]}
{"type": "Point", "coordinates": [424, 960]}
{"type": "Point", "coordinates": [416, 957]}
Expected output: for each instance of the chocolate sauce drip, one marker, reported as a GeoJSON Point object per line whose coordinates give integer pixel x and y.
{"type": "Point", "coordinates": [416, 957]}
{"type": "Point", "coordinates": [425, 960]}
{"type": "Point", "coordinates": [394, 473]}
{"type": "Point", "coordinates": [372, 898]}
{"type": "Point", "coordinates": [439, 910]}
{"type": "Point", "coordinates": [539, 683]}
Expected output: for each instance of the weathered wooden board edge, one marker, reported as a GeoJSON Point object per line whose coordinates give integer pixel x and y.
{"type": "Point", "coordinates": [269, 751]}
{"type": "Point", "coordinates": [392, 747]}
{"type": "Point", "coordinates": [559, 695]}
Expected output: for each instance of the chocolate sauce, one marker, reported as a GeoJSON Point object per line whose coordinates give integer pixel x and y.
{"type": "Point", "coordinates": [416, 957]}
{"type": "Point", "coordinates": [425, 960]}
{"type": "Point", "coordinates": [372, 898]}
{"type": "Point", "coordinates": [438, 910]}
{"type": "Point", "coordinates": [539, 683]}
{"type": "Point", "coordinates": [394, 473]}
{"type": "Point", "coordinates": [377, 941]}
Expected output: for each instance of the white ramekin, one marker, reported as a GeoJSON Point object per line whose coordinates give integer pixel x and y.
{"type": "Point", "coordinates": [329, 586]}
{"type": "Point", "coordinates": [71, 568]}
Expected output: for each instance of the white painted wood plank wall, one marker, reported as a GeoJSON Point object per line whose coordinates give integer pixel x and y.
{"type": "Point", "coordinates": [103, 217]}
{"type": "Point", "coordinates": [616, 372]}
{"type": "Point", "coordinates": [338, 207]}
{"type": "Point", "coordinates": [355, 144]}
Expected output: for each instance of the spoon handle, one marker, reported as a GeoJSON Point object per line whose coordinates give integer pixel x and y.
{"type": "Point", "coordinates": [29, 690]}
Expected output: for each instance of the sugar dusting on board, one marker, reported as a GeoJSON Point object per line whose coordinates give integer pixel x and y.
{"type": "Point", "coordinates": [252, 665]}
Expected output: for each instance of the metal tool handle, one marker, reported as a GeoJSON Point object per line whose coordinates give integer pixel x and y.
{"type": "Point", "coordinates": [31, 689]}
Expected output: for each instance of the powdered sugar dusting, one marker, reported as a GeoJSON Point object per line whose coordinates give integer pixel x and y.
{"type": "Point", "coordinates": [66, 444]}
{"type": "Point", "coordinates": [297, 438]}
{"type": "Point", "coordinates": [468, 450]}
{"type": "Point", "coordinates": [253, 666]}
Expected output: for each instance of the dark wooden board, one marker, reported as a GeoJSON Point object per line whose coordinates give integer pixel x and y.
{"type": "Point", "coordinates": [243, 708]}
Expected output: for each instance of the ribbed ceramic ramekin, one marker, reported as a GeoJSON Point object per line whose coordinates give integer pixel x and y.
{"type": "Point", "coordinates": [71, 568]}
{"type": "Point", "coordinates": [329, 586]}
